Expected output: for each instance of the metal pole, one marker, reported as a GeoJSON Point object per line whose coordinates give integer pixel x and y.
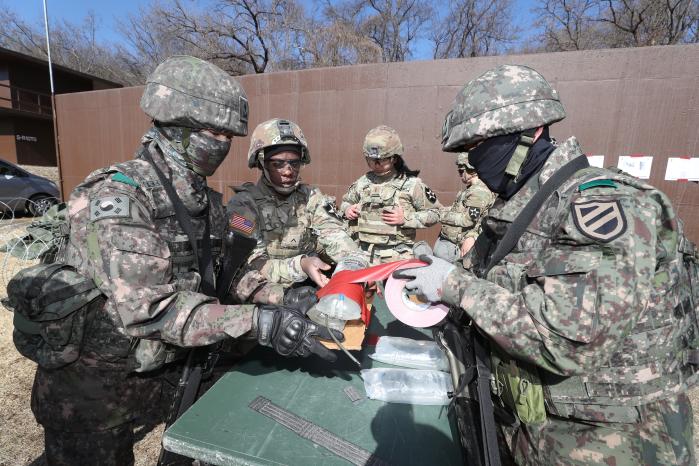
{"type": "Point", "coordinates": [53, 103]}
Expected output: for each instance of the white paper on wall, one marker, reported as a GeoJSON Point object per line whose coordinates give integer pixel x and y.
{"type": "Point", "coordinates": [636, 165]}
{"type": "Point", "coordinates": [596, 160]}
{"type": "Point", "coordinates": [682, 169]}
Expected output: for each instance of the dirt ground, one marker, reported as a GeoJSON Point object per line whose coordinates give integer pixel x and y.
{"type": "Point", "coordinates": [21, 438]}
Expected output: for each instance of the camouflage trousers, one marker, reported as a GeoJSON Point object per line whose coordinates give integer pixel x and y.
{"type": "Point", "coordinates": [663, 437]}
{"type": "Point", "coordinates": [110, 447]}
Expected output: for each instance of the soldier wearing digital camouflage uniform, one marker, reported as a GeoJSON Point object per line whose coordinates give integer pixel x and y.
{"type": "Point", "coordinates": [292, 222]}
{"type": "Point", "coordinates": [125, 235]}
{"type": "Point", "coordinates": [593, 305]}
{"type": "Point", "coordinates": [387, 205]}
{"type": "Point", "coordinates": [461, 221]}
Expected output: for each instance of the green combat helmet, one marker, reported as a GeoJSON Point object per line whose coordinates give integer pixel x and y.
{"type": "Point", "coordinates": [462, 161]}
{"type": "Point", "coordinates": [185, 94]}
{"type": "Point", "coordinates": [505, 100]}
{"type": "Point", "coordinates": [382, 142]}
{"type": "Point", "coordinates": [276, 132]}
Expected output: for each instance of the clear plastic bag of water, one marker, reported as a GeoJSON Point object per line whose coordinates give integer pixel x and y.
{"type": "Point", "coordinates": [410, 386]}
{"type": "Point", "coordinates": [406, 352]}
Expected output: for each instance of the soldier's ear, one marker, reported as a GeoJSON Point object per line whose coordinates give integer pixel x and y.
{"type": "Point", "coordinates": [538, 132]}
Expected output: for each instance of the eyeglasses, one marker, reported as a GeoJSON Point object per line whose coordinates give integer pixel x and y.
{"type": "Point", "coordinates": [464, 169]}
{"type": "Point", "coordinates": [280, 164]}
{"type": "Point", "coordinates": [373, 161]}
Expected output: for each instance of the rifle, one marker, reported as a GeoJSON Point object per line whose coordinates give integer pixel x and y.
{"type": "Point", "coordinates": [470, 371]}
{"type": "Point", "coordinates": [201, 361]}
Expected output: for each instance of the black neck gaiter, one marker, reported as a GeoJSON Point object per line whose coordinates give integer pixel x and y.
{"type": "Point", "coordinates": [491, 157]}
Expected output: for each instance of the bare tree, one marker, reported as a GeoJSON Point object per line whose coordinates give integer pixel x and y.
{"type": "Point", "coordinates": [393, 25]}
{"type": "Point", "coordinates": [586, 24]}
{"type": "Point", "coordinates": [649, 22]}
{"type": "Point", "coordinates": [570, 24]}
{"type": "Point", "coordinates": [334, 42]}
{"type": "Point", "coordinates": [472, 28]}
{"type": "Point", "coordinates": [73, 45]}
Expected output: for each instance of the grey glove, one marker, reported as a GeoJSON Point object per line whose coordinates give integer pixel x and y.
{"type": "Point", "coordinates": [290, 333]}
{"type": "Point", "coordinates": [302, 298]}
{"type": "Point", "coordinates": [427, 281]}
{"type": "Point", "coordinates": [421, 248]}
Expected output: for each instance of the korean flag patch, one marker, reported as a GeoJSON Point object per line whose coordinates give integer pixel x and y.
{"type": "Point", "coordinates": [431, 196]}
{"type": "Point", "coordinates": [110, 207]}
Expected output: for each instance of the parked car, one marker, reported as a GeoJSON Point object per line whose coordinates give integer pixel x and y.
{"type": "Point", "coordinates": [21, 190]}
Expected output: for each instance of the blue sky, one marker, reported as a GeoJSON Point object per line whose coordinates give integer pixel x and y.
{"type": "Point", "coordinates": [109, 12]}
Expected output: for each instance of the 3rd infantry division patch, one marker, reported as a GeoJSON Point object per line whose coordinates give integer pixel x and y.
{"type": "Point", "coordinates": [600, 220]}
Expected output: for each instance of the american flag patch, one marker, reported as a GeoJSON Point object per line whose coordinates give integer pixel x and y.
{"type": "Point", "coordinates": [242, 224]}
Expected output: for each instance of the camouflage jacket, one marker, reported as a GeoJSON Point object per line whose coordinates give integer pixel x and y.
{"type": "Point", "coordinates": [419, 203]}
{"type": "Point", "coordinates": [125, 236]}
{"type": "Point", "coordinates": [591, 294]}
{"type": "Point", "coordinates": [286, 229]}
{"type": "Point", "coordinates": [463, 218]}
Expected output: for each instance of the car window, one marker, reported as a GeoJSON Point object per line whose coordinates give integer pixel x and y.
{"type": "Point", "coordinates": [9, 171]}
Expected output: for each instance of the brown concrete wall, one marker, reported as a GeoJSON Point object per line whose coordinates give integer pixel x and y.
{"type": "Point", "coordinates": [8, 150]}
{"type": "Point", "coordinates": [620, 102]}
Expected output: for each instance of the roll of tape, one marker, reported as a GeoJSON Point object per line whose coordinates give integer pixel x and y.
{"type": "Point", "coordinates": [409, 308]}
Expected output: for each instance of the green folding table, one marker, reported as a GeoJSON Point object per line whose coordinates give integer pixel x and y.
{"type": "Point", "coordinates": [222, 429]}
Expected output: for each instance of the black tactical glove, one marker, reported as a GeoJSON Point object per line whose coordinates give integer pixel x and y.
{"type": "Point", "coordinates": [302, 298]}
{"type": "Point", "coordinates": [290, 333]}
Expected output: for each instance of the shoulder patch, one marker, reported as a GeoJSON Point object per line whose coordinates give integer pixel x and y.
{"type": "Point", "coordinates": [110, 207]}
{"type": "Point", "coordinates": [431, 196]}
{"type": "Point", "coordinates": [600, 220]}
{"type": "Point", "coordinates": [596, 184]}
{"type": "Point", "coordinates": [474, 213]}
{"type": "Point", "coordinates": [241, 224]}
{"type": "Point", "coordinates": [332, 210]}
{"type": "Point", "coordinates": [121, 178]}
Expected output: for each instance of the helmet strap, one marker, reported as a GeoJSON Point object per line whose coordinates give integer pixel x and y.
{"type": "Point", "coordinates": [514, 166]}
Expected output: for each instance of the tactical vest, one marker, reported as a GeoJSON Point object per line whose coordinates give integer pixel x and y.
{"type": "Point", "coordinates": [667, 328]}
{"type": "Point", "coordinates": [375, 198]}
{"type": "Point", "coordinates": [454, 233]}
{"type": "Point", "coordinates": [284, 223]}
{"type": "Point", "coordinates": [146, 355]}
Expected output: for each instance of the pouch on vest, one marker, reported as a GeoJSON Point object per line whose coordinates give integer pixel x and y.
{"type": "Point", "coordinates": [51, 304]}
{"type": "Point", "coordinates": [519, 387]}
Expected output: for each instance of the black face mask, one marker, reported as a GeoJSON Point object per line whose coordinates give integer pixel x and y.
{"type": "Point", "coordinates": [491, 157]}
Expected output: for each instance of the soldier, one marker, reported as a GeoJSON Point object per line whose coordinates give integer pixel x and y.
{"type": "Point", "coordinates": [291, 221]}
{"type": "Point", "coordinates": [387, 205]}
{"type": "Point", "coordinates": [461, 221]}
{"type": "Point", "coordinates": [587, 307]}
{"type": "Point", "coordinates": [135, 230]}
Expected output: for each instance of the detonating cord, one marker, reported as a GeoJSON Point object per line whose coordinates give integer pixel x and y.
{"type": "Point", "coordinates": [340, 345]}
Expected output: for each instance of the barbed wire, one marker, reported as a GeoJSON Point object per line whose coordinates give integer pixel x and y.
{"type": "Point", "coordinates": [23, 242]}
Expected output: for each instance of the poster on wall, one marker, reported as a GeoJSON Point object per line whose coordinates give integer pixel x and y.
{"type": "Point", "coordinates": [682, 169]}
{"type": "Point", "coordinates": [637, 165]}
{"type": "Point", "coordinates": [596, 160]}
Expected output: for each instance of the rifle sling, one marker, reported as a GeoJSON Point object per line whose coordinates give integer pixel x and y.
{"type": "Point", "coordinates": [206, 266]}
{"type": "Point", "coordinates": [525, 217]}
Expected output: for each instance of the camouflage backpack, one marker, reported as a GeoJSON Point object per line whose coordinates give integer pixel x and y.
{"type": "Point", "coordinates": [51, 300]}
